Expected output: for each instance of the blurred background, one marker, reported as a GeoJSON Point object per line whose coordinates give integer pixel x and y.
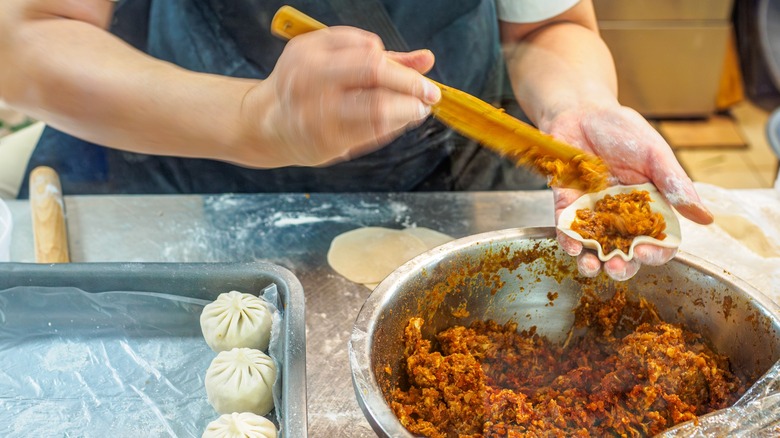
{"type": "Point", "coordinates": [706, 73]}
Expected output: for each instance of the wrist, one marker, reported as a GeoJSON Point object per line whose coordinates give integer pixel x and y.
{"type": "Point", "coordinates": [257, 141]}
{"type": "Point", "coordinates": [581, 103]}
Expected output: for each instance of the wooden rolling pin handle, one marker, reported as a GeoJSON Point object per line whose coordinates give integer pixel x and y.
{"type": "Point", "coordinates": [289, 22]}
{"type": "Point", "coordinates": [48, 216]}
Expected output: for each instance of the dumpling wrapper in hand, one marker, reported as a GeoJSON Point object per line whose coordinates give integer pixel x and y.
{"type": "Point", "coordinates": [431, 238]}
{"type": "Point", "coordinates": [236, 320]}
{"type": "Point", "coordinates": [659, 205]}
{"type": "Point", "coordinates": [243, 425]}
{"type": "Point", "coordinates": [241, 380]}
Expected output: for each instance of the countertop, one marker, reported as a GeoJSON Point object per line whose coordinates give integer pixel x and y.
{"type": "Point", "coordinates": [295, 231]}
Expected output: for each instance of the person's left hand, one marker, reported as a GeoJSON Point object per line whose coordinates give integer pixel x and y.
{"type": "Point", "coordinates": [635, 153]}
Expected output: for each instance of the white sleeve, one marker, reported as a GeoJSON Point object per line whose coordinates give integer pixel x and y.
{"type": "Point", "coordinates": [530, 11]}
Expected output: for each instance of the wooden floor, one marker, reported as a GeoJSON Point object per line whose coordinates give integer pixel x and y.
{"type": "Point", "coordinates": [728, 150]}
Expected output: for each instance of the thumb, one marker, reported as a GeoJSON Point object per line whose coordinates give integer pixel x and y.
{"type": "Point", "coordinates": [677, 188]}
{"type": "Point", "coordinates": [420, 60]}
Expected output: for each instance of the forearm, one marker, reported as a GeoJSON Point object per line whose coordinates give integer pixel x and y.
{"type": "Point", "coordinates": [333, 94]}
{"type": "Point", "coordinates": [78, 78]}
{"type": "Point", "coordinates": [560, 66]}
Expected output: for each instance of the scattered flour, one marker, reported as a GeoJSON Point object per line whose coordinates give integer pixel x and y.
{"type": "Point", "coordinates": [285, 220]}
{"type": "Point", "coordinates": [68, 356]}
{"type": "Point", "coordinates": [59, 419]}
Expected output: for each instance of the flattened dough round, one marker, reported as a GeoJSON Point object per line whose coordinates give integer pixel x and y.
{"type": "Point", "coordinates": [368, 255]}
{"type": "Point", "coordinates": [431, 238]}
{"type": "Point", "coordinates": [748, 233]}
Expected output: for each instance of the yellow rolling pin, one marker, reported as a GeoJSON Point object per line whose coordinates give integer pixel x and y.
{"type": "Point", "coordinates": [565, 165]}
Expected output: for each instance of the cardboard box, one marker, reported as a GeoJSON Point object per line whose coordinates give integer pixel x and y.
{"type": "Point", "coordinates": [668, 70]}
{"type": "Point", "coordinates": [669, 54]}
{"type": "Point", "coordinates": [674, 10]}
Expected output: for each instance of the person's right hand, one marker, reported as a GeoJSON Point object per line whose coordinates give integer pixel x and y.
{"type": "Point", "coordinates": [336, 94]}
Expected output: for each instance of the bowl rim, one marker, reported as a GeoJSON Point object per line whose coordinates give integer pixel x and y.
{"type": "Point", "coordinates": [369, 394]}
{"type": "Point", "coordinates": [6, 230]}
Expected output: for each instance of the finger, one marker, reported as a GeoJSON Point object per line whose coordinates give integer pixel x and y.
{"type": "Point", "coordinates": [420, 60]}
{"type": "Point", "coordinates": [671, 180]}
{"type": "Point", "coordinates": [570, 246]}
{"type": "Point", "coordinates": [678, 189]}
{"type": "Point", "coordinates": [365, 120]}
{"type": "Point", "coordinates": [379, 115]}
{"type": "Point", "coordinates": [588, 264]}
{"type": "Point", "coordinates": [342, 37]}
{"type": "Point", "coordinates": [371, 68]}
{"type": "Point", "coordinates": [372, 144]}
{"type": "Point", "coordinates": [563, 198]}
{"type": "Point", "coordinates": [652, 255]}
{"type": "Point", "coordinates": [621, 270]}
{"type": "Point", "coordinates": [362, 149]}
{"type": "Point", "coordinates": [388, 111]}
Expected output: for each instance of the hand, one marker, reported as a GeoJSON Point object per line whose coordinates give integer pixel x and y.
{"type": "Point", "coordinates": [336, 94]}
{"type": "Point", "coordinates": [636, 153]}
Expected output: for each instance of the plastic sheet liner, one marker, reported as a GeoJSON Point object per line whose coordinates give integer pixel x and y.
{"type": "Point", "coordinates": [130, 364]}
{"type": "Point", "coordinates": [755, 414]}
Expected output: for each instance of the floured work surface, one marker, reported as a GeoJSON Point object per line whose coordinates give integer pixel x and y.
{"type": "Point", "coordinates": [745, 238]}
{"type": "Point", "coordinates": [81, 364]}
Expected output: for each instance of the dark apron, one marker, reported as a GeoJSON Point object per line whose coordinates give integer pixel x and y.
{"type": "Point", "coordinates": [232, 38]}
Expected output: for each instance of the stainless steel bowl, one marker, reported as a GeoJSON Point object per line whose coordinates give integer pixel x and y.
{"type": "Point", "coordinates": [510, 274]}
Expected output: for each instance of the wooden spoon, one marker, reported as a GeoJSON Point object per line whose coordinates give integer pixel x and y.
{"type": "Point", "coordinates": [566, 165]}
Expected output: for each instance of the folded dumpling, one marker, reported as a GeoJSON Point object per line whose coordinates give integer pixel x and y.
{"type": "Point", "coordinates": [236, 320]}
{"type": "Point", "coordinates": [241, 380]}
{"type": "Point", "coordinates": [243, 425]}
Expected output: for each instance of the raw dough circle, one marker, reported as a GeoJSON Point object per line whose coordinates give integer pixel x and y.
{"type": "Point", "coordinates": [431, 238]}
{"type": "Point", "coordinates": [747, 233]}
{"type": "Point", "coordinates": [368, 255]}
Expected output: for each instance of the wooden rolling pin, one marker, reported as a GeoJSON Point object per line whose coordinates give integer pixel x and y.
{"type": "Point", "coordinates": [566, 165]}
{"type": "Point", "coordinates": [48, 216]}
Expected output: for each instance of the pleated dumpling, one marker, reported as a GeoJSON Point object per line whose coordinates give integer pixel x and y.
{"type": "Point", "coordinates": [243, 425]}
{"type": "Point", "coordinates": [241, 380]}
{"type": "Point", "coordinates": [236, 320]}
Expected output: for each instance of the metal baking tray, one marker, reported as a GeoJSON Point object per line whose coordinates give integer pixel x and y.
{"type": "Point", "coordinates": [202, 281]}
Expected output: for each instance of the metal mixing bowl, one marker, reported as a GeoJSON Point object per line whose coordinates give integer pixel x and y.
{"type": "Point", "coordinates": [513, 274]}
